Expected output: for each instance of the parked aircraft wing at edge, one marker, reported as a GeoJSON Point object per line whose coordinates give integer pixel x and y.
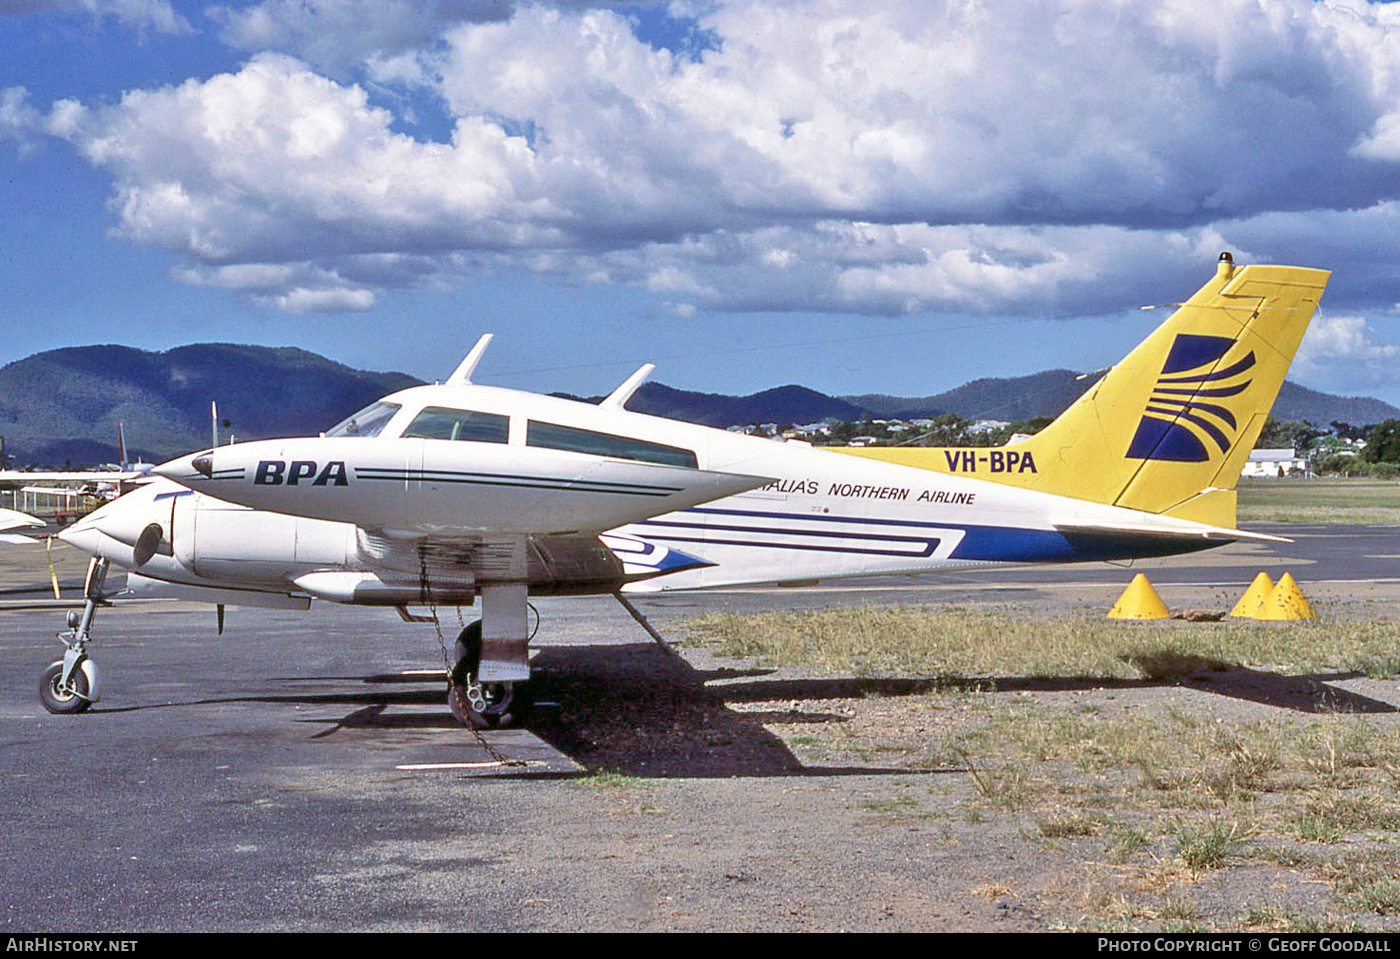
{"type": "Point", "coordinates": [12, 519]}
{"type": "Point", "coordinates": [457, 492]}
{"type": "Point", "coordinates": [30, 477]}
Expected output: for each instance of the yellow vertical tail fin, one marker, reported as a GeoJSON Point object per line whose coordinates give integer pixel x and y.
{"type": "Point", "coordinates": [1169, 428]}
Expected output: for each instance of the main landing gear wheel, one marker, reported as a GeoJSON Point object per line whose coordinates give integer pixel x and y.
{"type": "Point", "coordinates": [58, 698]}
{"type": "Point", "coordinates": [497, 705]}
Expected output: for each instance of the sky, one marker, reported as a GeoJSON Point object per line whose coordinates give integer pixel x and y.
{"type": "Point", "coordinates": [860, 196]}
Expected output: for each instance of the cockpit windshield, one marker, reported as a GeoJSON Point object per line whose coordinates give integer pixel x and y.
{"type": "Point", "coordinates": [369, 421]}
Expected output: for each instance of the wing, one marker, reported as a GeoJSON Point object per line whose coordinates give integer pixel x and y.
{"type": "Point", "coordinates": [448, 570]}
{"type": "Point", "coordinates": [71, 476]}
{"type": "Point", "coordinates": [11, 519]}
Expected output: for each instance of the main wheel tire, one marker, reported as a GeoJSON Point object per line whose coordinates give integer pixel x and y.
{"type": "Point", "coordinates": [506, 703]}
{"type": "Point", "coordinates": [505, 706]}
{"type": "Point", "coordinates": [56, 698]}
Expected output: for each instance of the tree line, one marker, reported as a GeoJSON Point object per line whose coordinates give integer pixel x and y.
{"type": "Point", "coordinates": [1333, 450]}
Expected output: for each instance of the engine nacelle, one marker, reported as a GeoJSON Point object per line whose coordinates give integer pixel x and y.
{"type": "Point", "coordinates": [218, 540]}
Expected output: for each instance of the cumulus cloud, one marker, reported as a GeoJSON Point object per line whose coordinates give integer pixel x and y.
{"type": "Point", "coordinates": [277, 163]}
{"type": "Point", "coordinates": [336, 35]}
{"type": "Point", "coordinates": [843, 155]}
{"type": "Point", "coordinates": [1075, 112]}
{"type": "Point", "coordinates": [884, 269]}
{"type": "Point", "coordinates": [20, 122]}
{"type": "Point", "coordinates": [1342, 352]}
{"type": "Point", "coordinates": [158, 15]}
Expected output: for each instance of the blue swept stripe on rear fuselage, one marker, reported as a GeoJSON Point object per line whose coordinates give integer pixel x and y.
{"type": "Point", "coordinates": [980, 543]}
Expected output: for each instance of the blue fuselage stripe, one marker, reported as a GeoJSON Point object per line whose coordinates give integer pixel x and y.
{"type": "Point", "coordinates": [979, 543]}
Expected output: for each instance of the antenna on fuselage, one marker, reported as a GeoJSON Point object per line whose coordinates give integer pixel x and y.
{"type": "Point", "coordinates": [618, 398]}
{"type": "Point", "coordinates": [462, 375]}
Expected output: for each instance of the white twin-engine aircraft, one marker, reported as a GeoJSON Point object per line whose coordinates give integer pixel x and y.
{"type": "Point", "coordinates": [437, 495]}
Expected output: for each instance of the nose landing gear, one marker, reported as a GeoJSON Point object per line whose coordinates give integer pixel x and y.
{"type": "Point", "coordinates": [72, 684]}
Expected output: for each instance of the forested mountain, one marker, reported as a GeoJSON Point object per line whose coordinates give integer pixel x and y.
{"type": "Point", "coordinates": [61, 407]}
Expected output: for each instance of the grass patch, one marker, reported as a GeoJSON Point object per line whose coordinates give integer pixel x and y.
{"type": "Point", "coordinates": [962, 645]}
{"type": "Point", "coordinates": [1069, 827]}
{"type": "Point", "coordinates": [1151, 798]}
{"type": "Point", "coordinates": [1271, 917]}
{"type": "Point", "coordinates": [1328, 501]}
{"type": "Point", "coordinates": [1125, 842]}
{"type": "Point", "coordinates": [603, 780]}
{"type": "Point", "coordinates": [1007, 785]}
{"type": "Point", "coordinates": [1330, 814]}
{"type": "Point", "coordinates": [1381, 897]}
{"type": "Point", "coordinates": [896, 804]}
{"type": "Point", "coordinates": [1205, 845]}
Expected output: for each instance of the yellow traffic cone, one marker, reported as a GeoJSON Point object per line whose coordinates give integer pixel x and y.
{"type": "Point", "coordinates": [1253, 598]}
{"type": "Point", "coordinates": [1286, 601]}
{"type": "Point", "coordinates": [1139, 601]}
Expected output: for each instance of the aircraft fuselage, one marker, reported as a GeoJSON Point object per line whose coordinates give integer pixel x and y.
{"type": "Point", "coordinates": [339, 517]}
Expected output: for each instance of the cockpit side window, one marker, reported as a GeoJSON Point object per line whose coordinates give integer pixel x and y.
{"type": "Point", "coordinates": [441, 423]}
{"type": "Point", "coordinates": [368, 422]}
{"type": "Point", "coordinates": [555, 437]}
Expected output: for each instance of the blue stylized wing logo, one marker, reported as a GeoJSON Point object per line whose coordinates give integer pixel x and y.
{"type": "Point", "coordinates": [1182, 416]}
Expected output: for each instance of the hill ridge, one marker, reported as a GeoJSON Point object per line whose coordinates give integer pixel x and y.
{"type": "Point", "coordinates": [61, 407]}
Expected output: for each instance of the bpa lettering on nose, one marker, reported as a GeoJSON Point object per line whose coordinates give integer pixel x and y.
{"type": "Point", "coordinates": [277, 472]}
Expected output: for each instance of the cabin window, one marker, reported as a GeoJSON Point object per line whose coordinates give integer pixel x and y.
{"type": "Point", "coordinates": [555, 437]}
{"type": "Point", "coordinates": [369, 421]}
{"type": "Point", "coordinates": [441, 423]}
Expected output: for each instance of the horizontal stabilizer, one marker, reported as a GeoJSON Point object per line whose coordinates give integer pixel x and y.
{"type": "Point", "coordinates": [1207, 535]}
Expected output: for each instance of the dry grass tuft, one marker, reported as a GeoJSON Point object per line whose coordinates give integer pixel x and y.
{"type": "Point", "coordinates": [958, 644]}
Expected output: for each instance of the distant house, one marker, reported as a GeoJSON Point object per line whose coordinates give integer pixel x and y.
{"type": "Point", "coordinates": [1274, 463]}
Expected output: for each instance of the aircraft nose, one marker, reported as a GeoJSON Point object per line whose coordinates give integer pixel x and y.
{"type": "Point", "coordinates": [84, 536]}
{"type": "Point", "coordinates": [185, 468]}
{"type": "Point", "coordinates": [120, 521]}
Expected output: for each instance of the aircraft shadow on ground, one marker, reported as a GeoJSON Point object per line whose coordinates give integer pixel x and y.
{"type": "Point", "coordinates": [1302, 693]}
{"type": "Point", "coordinates": [629, 709]}
{"type": "Point", "coordinates": [636, 710]}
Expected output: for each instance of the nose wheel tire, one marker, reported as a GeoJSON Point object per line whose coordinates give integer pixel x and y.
{"type": "Point", "coordinates": [505, 704]}
{"type": "Point", "coordinates": [58, 698]}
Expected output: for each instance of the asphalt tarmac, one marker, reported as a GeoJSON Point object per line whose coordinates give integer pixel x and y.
{"type": "Point", "coordinates": [302, 771]}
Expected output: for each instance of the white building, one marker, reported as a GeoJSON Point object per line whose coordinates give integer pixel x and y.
{"type": "Point", "coordinates": [1274, 463]}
